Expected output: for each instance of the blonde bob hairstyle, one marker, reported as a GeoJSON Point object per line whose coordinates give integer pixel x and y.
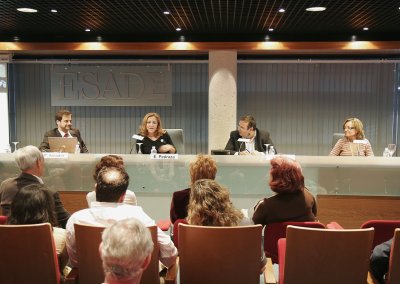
{"type": "Point", "coordinates": [143, 129]}
{"type": "Point", "coordinates": [209, 205]}
{"type": "Point", "coordinates": [203, 167]}
{"type": "Point", "coordinates": [358, 127]}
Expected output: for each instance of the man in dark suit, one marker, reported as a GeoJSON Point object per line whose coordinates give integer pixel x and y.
{"type": "Point", "coordinates": [255, 138]}
{"type": "Point", "coordinates": [64, 129]}
{"type": "Point", "coordinates": [31, 163]}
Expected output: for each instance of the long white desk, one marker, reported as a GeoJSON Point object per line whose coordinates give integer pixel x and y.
{"type": "Point", "coordinates": [246, 176]}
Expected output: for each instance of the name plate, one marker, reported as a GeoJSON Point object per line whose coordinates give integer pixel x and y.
{"type": "Point", "coordinates": [164, 156]}
{"type": "Point", "coordinates": [55, 155]}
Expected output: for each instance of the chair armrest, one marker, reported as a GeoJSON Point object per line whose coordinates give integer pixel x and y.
{"type": "Point", "coordinates": [72, 277]}
{"type": "Point", "coordinates": [269, 277]}
{"type": "Point", "coordinates": [281, 257]}
{"type": "Point", "coordinates": [172, 273]}
{"type": "Point", "coordinates": [334, 226]}
{"type": "Point", "coordinates": [164, 224]}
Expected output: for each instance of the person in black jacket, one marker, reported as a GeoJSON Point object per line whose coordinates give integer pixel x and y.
{"type": "Point", "coordinates": [256, 138]}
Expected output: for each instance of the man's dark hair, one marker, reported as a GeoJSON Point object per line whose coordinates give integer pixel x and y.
{"type": "Point", "coordinates": [250, 120]}
{"type": "Point", "coordinates": [61, 113]}
{"type": "Point", "coordinates": [112, 183]}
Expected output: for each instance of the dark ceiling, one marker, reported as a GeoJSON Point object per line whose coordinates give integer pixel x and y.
{"type": "Point", "coordinates": [200, 20]}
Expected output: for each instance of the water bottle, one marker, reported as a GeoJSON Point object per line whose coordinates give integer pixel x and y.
{"type": "Point", "coordinates": [271, 151]}
{"type": "Point", "coordinates": [386, 153]}
{"type": "Point", "coordinates": [77, 149]}
{"type": "Point", "coordinates": [153, 150]}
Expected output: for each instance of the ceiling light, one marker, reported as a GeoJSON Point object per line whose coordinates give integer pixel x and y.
{"type": "Point", "coordinates": [87, 30]}
{"type": "Point", "coordinates": [166, 13]}
{"type": "Point", "coordinates": [353, 38]}
{"type": "Point", "coordinates": [281, 10]}
{"type": "Point", "coordinates": [99, 38]}
{"type": "Point", "coordinates": [178, 29]}
{"type": "Point", "coordinates": [26, 10]}
{"type": "Point", "coordinates": [365, 29]}
{"type": "Point", "coordinates": [53, 11]}
{"type": "Point", "coordinates": [316, 9]}
{"type": "Point", "coordinates": [16, 38]}
{"type": "Point", "coordinates": [271, 29]}
{"type": "Point", "coordinates": [267, 38]}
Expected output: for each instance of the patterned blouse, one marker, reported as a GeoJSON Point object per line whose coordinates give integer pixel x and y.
{"type": "Point", "coordinates": [346, 148]}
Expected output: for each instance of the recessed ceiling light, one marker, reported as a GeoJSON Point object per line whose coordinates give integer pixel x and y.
{"type": "Point", "coordinates": [271, 29]}
{"type": "Point", "coordinates": [53, 11]}
{"type": "Point", "coordinates": [16, 38]}
{"type": "Point", "coordinates": [166, 13]}
{"type": "Point", "coordinates": [26, 10]}
{"type": "Point", "coordinates": [266, 38]}
{"type": "Point", "coordinates": [365, 29]}
{"type": "Point", "coordinates": [316, 9]}
{"type": "Point", "coordinates": [178, 29]}
{"type": "Point", "coordinates": [281, 10]}
{"type": "Point", "coordinates": [87, 30]}
{"type": "Point", "coordinates": [99, 38]}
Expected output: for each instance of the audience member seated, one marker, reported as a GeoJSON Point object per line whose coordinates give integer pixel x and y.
{"type": "Point", "coordinates": [125, 250]}
{"type": "Point", "coordinates": [346, 146]}
{"type": "Point", "coordinates": [31, 163]}
{"type": "Point", "coordinates": [154, 135]}
{"type": "Point", "coordinates": [203, 167]}
{"type": "Point", "coordinates": [292, 201]}
{"type": "Point", "coordinates": [111, 186]}
{"type": "Point", "coordinates": [110, 161]}
{"type": "Point", "coordinates": [210, 205]}
{"type": "Point", "coordinates": [379, 262]}
{"type": "Point", "coordinates": [34, 204]}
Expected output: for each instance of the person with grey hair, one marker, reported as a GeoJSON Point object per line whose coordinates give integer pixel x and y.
{"type": "Point", "coordinates": [111, 185]}
{"type": "Point", "coordinates": [31, 163]}
{"type": "Point", "coordinates": [125, 251]}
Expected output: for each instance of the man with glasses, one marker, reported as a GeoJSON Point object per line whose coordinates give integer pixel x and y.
{"type": "Point", "coordinates": [248, 139]}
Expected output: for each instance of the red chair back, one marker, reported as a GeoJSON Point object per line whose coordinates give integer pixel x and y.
{"type": "Point", "coordinates": [176, 231]}
{"type": "Point", "coordinates": [384, 229]}
{"type": "Point", "coordinates": [3, 220]}
{"type": "Point", "coordinates": [275, 231]}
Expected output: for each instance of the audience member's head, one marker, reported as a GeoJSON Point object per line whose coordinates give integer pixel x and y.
{"type": "Point", "coordinates": [33, 204]}
{"type": "Point", "coordinates": [125, 251]}
{"type": "Point", "coordinates": [203, 167]}
{"type": "Point", "coordinates": [29, 158]}
{"type": "Point", "coordinates": [111, 184]}
{"type": "Point", "coordinates": [108, 161]}
{"type": "Point", "coordinates": [285, 175]}
{"type": "Point", "coordinates": [209, 205]}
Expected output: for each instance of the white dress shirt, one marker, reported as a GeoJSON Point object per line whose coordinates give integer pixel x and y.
{"type": "Point", "coordinates": [104, 214]}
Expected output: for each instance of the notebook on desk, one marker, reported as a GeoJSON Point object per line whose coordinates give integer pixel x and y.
{"type": "Point", "coordinates": [61, 144]}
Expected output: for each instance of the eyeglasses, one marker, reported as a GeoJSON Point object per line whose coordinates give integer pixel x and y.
{"type": "Point", "coordinates": [348, 128]}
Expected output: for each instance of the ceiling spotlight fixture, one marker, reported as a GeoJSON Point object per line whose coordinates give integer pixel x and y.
{"type": "Point", "coordinates": [178, 29]}
{"type": "Point", "coordinates": [281, 10]}
{"type": "Point", "coordinates": [365, 29]}
{"type": "Point", "coordinates": [316, 9]}
{"type": "Point", "coordinates": [27, 10]}
{"type": "Point", "coordinates": [53, 11]}
{"type": "Point", "coordinates": [166, 12]}
{"type": "Point", "coordinates": [87, 30]}
{"type": "Point", "coordinates": [271, 29]}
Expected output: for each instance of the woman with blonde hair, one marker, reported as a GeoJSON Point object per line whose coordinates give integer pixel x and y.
{"type": "Point", "coordinates": [354, 142]}
{"type": "Point", "coordinates": [203, 167]}
{"type": "Point", "coordinates": [154, 135]}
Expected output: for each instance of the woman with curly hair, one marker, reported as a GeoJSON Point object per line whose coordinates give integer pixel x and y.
{"type": "Point", "coordinates": [210, 205]}
{"type": "Point", "coordinates": [154, 135]}
{"type": "Point", "coordinates": [203, 167]}
{"type": "Point", "coordinates": [292, 201]}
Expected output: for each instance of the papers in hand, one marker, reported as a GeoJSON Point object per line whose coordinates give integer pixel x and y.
{"type": "Point", "coordinates": [137, 137]}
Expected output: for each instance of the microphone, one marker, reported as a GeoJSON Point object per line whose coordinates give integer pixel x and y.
{"type": "Point", "coordinates": [136, 137]}
{"type": "Point", "coordinates": [242, 140]}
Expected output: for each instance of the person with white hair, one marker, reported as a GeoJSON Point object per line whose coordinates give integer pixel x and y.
{"type": "Point", "coordinates": [125, 251]}
{"type": "Point", "coordinates": [30, 161]}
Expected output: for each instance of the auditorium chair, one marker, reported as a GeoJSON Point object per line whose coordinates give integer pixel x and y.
{"type": "Point", "coordinates": [314, 256]}
{"type": "Point", "coordinates": [384, 229]}
{"type": "Point", "coordinates": [274, 231]}
{"type": "Point", "coordinates": [90, 269]}
{"type": "Point", "coordinates": [336, 137]}
{"type": "Point", "coordinates": [215, 255]}
{"type": "Point", "coordinates": [175, 230]}
{"type": "Point", "coordinates": [3, 220]}
{"type": "Point", "coordinates": [393, 276]}
{"type": "Point", "coordinates": [28, 254]}
{"type": "Point", "coordinates": [178, 139]}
